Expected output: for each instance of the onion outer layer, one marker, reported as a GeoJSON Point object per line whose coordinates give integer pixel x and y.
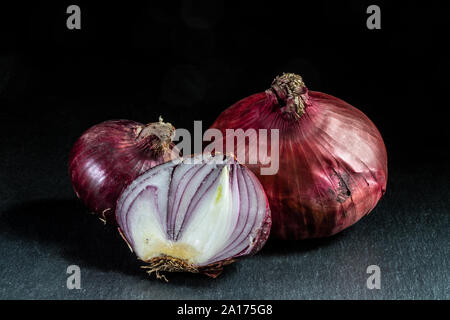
{"type": "Point", "coordinates": [332, 163]}
{"type": "Point", "coordinates": [109, 155]}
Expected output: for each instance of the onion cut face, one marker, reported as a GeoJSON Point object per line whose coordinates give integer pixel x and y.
{"type": "Point", "coordinates": [194, 214]}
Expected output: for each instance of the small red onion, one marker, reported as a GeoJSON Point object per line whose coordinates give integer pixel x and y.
{"type": "Point", "coordinates": [194, 215]}
{"type": "Point", "coordinates": [332, 159]}
{"type": "Point", "coordinates": [108, 156]}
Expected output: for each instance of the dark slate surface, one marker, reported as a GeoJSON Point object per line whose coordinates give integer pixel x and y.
{"type": "Point", "coordinates": [407, 235]}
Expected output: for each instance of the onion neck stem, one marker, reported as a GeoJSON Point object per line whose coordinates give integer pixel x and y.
{"type": "Point", "coordinates": [158, 135]}
{"type": "Point", "coordinates": [290, 92]}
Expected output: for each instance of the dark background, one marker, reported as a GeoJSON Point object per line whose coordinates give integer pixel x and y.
{"type": "Point", "coordinates": [189, 60]}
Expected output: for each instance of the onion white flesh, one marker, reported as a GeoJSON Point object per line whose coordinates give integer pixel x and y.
{"type": "Point", "coordinates": [195, 214]}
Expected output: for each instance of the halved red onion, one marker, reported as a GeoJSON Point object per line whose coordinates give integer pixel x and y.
{"type": "Point", "coordinates": [194, 214]}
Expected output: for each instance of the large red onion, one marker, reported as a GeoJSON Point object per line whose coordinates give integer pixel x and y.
{"type": "Point", "coordinates": [332, 159]}
{"type": "Point", "coordinates": [195, 215]}
{"type": "Point", "coordinates": [108, 156]}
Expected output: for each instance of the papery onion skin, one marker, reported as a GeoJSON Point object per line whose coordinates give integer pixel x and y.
{"type": "Point", "coordinates": [171, 198]}
{"type": "Point", "coordinates": [332, 164]}
{"type": "Point", "coordinates": [109, 155]}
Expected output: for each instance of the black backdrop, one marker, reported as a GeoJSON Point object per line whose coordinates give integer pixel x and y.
{"type": "Point", "coordinates": [188, 60]}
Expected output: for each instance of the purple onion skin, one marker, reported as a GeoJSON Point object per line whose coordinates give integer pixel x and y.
{"type": "Point", "coordinates": [333, 165]}
{"type": "Point", "coordinates": [108, 156]}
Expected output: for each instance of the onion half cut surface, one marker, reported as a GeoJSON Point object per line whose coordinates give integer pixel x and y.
{"type": "Point", "coordinates": [194, 214]}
